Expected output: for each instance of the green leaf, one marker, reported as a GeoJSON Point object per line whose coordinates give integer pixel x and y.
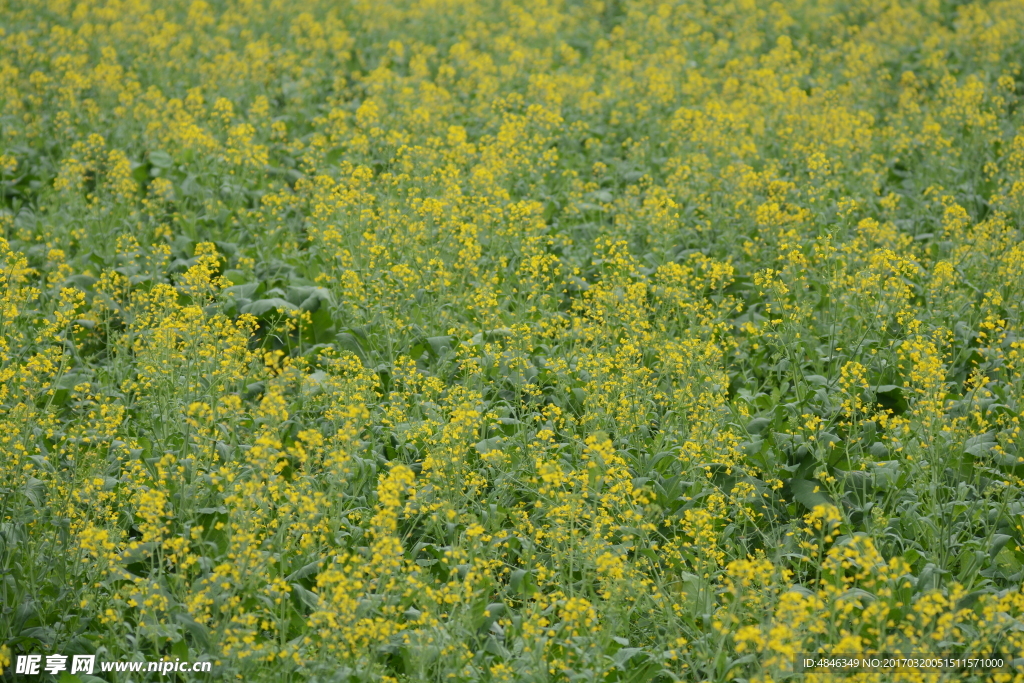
{"type": "Point", "coordinates": [304, 571]}
{"type": "Point", "coordinates": [35, 491]}
{"type": "Point", "coordinates": [244, 291]}
{"type": "Point", "coordinates": [438, 346]}
{"type": "Point", "coordinates": [624, 655]}
{"type": "Point", "coordinates": [261, 307]}
{"type": "Point", "coordinates": [997, 543]}
{"type": "Point", "coordinates": [758, 425]}
{"type": "Point", "coordinates": [351, 342]}
{"type": "Point", "coordinates": [521, 581]}
{"type": "Point", "coordinates": [305, 597]}
{"type": "Point", "coordinates": [808, 493]}
{"type": "Point", "coordinates": [160, 159]}
{"type": "Point", "coordinates": [981, 444]}
{"type": "Point", "coordinates": [180, 649]}
{"type": "Point", "coordinates": [488, 445]}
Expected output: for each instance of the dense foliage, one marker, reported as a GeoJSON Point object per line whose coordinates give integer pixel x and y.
{"type": "Point", "coordinates": [533, 340]}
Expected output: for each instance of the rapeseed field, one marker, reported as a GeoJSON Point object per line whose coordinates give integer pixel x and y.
{"type": "Point", "coordinates": [511, 340]}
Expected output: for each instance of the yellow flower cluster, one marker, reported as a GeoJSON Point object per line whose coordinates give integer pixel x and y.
{"type": "Point", "coordinates": [533, 340]}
